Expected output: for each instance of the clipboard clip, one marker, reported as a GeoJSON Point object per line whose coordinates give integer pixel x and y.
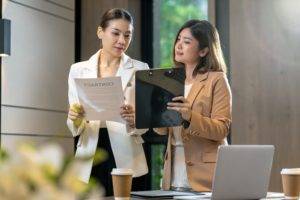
{"type": "Point", "coordinates": [170, 73]}
{"type": "Point", "coordinates": [150, 73]}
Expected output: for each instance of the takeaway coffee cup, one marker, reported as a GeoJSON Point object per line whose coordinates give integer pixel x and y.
{"type": "Point", "coordinates": [291, 182]}
{"type": "Point", "coordinates": [122, 180]}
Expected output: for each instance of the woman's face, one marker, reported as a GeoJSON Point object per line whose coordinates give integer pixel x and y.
{"type": "Point", "coordinates": [187, 48]}
{"type": "Point", "coordinates": [116, 36]}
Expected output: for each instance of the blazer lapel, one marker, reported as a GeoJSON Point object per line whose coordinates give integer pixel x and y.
{"type": "Point", "coordinates": [126, 70]}
{"type": "Point", "coordinates": [196, 88]}
{"type": "Point", "coordinates": [91, 69]}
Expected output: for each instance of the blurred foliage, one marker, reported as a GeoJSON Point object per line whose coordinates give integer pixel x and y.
{"type": "Point", "coordinates": [157, 160]}
{"type": "Point", "coordinates": [44, 172]}
{"type": "Point", "coordinates": [173, 14]}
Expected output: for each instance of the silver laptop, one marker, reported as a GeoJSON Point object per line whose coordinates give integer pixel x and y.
{"type": "Point", "coordinates": [242, 172]}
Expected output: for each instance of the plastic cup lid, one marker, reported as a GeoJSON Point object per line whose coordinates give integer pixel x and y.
{"type": "Point", "coordinates": [121, 171]}
{"type": "Point", "coordinates": [290, 171]}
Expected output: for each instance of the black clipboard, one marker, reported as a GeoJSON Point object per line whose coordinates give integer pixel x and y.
{"type": "Point", "coordinates": [154, 89]}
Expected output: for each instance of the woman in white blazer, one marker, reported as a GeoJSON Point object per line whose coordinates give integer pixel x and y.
{"type": "Point", "coordinates": [122, 142]}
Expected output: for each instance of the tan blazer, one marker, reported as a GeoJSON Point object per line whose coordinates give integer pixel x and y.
{"type": "Point", "coordinates": [210, 97]}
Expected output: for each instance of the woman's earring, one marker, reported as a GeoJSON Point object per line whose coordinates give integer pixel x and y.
{"type": "Point", "coordinates": [99, 31]}
{"type": "Point", "coordinates": [203, 52]}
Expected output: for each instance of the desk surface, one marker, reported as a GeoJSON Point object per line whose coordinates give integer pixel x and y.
{"type": "Point", "coordinates": [112, 198]}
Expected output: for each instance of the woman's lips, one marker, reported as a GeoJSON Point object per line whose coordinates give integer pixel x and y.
{"type": "Point", "coordinates": [120, 48]}
{"type": "Point", "coordinates": [179, 53]}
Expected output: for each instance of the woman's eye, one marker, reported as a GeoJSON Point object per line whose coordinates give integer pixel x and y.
{"type": "Point", "coordinates": [127, 36]}
{"type": "Point", "coordinates": [115, 33]}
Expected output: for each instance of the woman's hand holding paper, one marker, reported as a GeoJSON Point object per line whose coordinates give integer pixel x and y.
{"type": "Point", "coordinates": [76, 114]}
{"type": "Point", "coordinates": [127, 113]}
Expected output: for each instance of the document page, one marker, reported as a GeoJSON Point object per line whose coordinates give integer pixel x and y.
{"type": "Point", "coordinates": [101, 98]}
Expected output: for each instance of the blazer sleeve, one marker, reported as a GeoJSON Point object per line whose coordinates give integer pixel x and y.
{"type": "Point", "coordinates": [73, 98]}
{"type": "Point", "coordinates": [217, 126]}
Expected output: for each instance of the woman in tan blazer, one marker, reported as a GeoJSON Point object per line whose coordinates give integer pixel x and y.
{"type": "Point", "coordinates": [191, 153]}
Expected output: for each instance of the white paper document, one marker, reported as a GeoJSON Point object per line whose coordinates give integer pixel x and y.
{"type": "Point", "coordinates": [101, 98]}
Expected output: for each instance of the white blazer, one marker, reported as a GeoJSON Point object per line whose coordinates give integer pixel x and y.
{"type": "Point", "coordinates": [126, 143]}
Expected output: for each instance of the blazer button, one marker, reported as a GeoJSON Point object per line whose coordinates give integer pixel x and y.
{"type": "Point", "coordinates": [189, 163]}
{"type": "Point", "coordinates": [185, 138]}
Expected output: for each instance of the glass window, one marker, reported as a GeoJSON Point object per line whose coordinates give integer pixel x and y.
{"type": "Point", "coordinates": [169, 16]}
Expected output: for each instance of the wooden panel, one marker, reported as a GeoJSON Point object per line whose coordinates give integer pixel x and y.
{"type": "Point", "coordinates": [29, 121]}
{"type": "Point", "coordinates": [64, 3]}
{"type": "Point", "coordinates": [34, 77]}
{"type": "Point", "coordinates": [264, 51]}
{"type": "Point", "coordinates": [42, 50]}
{"type": "Point", "coordinates": [92, 10]}
{"type": "Point", "coordinates": [10, 142]}
{"type": "Point", "coordinates": [49, 6]}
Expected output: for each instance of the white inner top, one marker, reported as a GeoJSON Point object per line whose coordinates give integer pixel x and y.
{"type": "Point", "coordinates": [103, 124]}
{"type": "Point", "coordinates": [179, 174]}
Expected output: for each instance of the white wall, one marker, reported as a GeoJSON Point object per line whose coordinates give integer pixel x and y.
{"type": "Point", "coordinates": [34, 77]}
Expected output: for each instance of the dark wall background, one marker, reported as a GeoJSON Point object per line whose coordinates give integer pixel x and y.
{"type": "Point", "coordinates": [91, 12]}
